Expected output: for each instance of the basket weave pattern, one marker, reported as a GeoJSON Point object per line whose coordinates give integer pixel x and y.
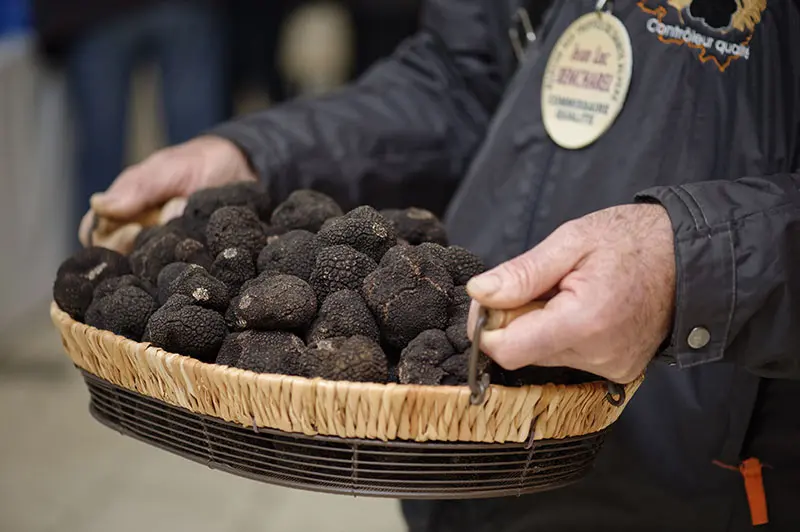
{"type": "Point", "coordinates": [345, 409]}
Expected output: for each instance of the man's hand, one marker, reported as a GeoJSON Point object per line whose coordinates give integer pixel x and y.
{"type": "Point", "coordinates": [613, 276]}
{"type": "Point", "coordinates": [167, 174]}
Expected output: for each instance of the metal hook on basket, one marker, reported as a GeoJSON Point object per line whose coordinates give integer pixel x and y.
{"type": "Point", "coordinates": [477, 384]}
{"type": "Point", "coordinates": [615, 394]}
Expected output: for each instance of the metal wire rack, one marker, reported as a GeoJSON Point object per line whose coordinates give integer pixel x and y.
{"type": "Point", "coordinates": [370, 468]}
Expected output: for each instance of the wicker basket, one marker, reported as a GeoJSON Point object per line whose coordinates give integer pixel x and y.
{"type": "Point", "coordinates": [146, 392]}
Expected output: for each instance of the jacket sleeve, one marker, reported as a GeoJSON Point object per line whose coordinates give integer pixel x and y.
{"type": "Point", "coordinates": [737, 246]}
{"type": "Point", "coordinates": [404, 132]}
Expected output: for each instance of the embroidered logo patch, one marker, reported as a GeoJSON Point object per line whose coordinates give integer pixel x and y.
{"type": "Point", "coordinates": [720, 29]}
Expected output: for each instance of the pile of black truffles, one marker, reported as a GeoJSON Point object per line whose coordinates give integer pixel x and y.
{"type": "Point", "coordinates": [302, 289]}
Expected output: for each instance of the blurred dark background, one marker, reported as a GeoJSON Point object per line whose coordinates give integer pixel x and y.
{"type": "Point", "coordinates": [88, 87]}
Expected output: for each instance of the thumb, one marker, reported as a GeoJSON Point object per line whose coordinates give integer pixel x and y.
{"type": "Point", "coordinates": [530, 275]}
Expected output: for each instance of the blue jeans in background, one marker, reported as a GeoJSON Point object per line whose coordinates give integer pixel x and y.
{"type": "Point", "coordinates": [187, 42]}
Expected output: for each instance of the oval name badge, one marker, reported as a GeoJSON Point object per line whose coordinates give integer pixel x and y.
{"type": "Point", "coordinates": [586, 80]}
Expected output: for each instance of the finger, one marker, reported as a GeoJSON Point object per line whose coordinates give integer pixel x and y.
{"type": "Point", "coordinates": [137, 189]}
{"type": "Point", "coordinates": [172, 209]}
{"type": "Point", "coordinates": [85, 228]}
{"type": "Point", "coordinates": [536, 338]}
{"type": "Point", "coordinates": [530, 275]}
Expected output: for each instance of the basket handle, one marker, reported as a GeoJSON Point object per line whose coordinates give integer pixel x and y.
{"type": "Point", "coordinates": [118, 234]}
{"type": "Point", "coordinates": [494, 319]}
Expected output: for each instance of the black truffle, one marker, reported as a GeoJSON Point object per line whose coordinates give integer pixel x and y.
{"type": "Point", "coordinates": [155, 253]}
{"type": "Point", "coordinates": [206, 290]}
{"type": "Point", "coordinates": [404, 305]}
{"type": "Point", "coordinates": [124, 312]}
{"type": "Point", "coordinates": [305, 209]}
{"type": "Point", "coordinates": [169, 273]}
{"type": "Point", "coordinates": [234, 227]}
{"type": "Point", "coordinates": [363, 229]}
{"type": "Point", "coordinates": [276, 301]}
{"type": "Point", "coordinates": [202, 204]}
{"type": "Point", "coordinates": [78, 276]}
{"type": "Point", "coordinates": [112, 284]}
{"type": "Point", "coordinates": [194, 252]}
{"type": "Point", "coordinates": [339, 268]}
{"type": "Point", "coordinates": [233, 267]}
{"type": "Point", "coordinates": [343, 313]}
{"type": "Point", "coordinates": [462, 264]}
{"type": "Point", "coordinates": [188, 330]}
{"type": "Point", "coordinates": [420, 361]}
{"type": "Point", "coordinates": [264, 351]}
{"type": "Point", "coordinates": [189, 226]}
{"type": "Point", "coordinates": [416, 226]}
{"type": "Point", "coordinates": [293, 253]}
{"type": "Point", "coordinates": [354, 359]}
{"type": "Point", "coordinates": [458, 313]}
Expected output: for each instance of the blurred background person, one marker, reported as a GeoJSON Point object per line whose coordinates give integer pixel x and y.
{"type": "Point", "coordinates": [99, 44]}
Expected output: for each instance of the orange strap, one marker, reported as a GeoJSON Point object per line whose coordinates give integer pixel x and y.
{"type": "Point", "coordinates": [754, 487]}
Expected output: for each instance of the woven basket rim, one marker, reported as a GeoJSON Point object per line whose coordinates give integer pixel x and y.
{"type": "Point", "coordinates": [153, 371]}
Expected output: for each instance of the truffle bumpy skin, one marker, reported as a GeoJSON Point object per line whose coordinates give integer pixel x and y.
{"type": "Point", "coordinates": [338, 268]}
{"type": "Point", "coordinates": [234, 266]}
{"type": "Point", "coordinates": [263, 352]}
{"type": "Point", "coordinates": [416, 226]}
{"type": "Point", "coordinates": [234, 227]}
{"type": "Point", "coordinates": [363, 229]}
{"type": "Point", "coordinates": [194, 252]}
{"type": "Point", "coordinates": [305, 209]}
{"type": "Point", "coordinates": [462, 264]}
{"type": "Point", "coordinates": [112, 284]}
{"type": "Point", "coordinates": [202, 204]}
{"type": "Point", "coordinates": [409, 293]}
{"type": "Point", "coordinates": [169, 273]}
{"type": "Point", "coordinates": [293, 253]}
{"type": "Point", "coordinates": [188, 330]}
{"type": "Point", "coordinates": [206, 291]}
{"type": "Point", "coordinates": [155, 253]}
{"type": "Point", "coordinates": [457, 322]}
{"type": "Point", "coordinates": [189, 227]}
{"type": "Point", "coordinates": [354, 359]}
{"type": "Point", "coordinates": [343, 313]}
{"type": "Point", "coordinates": [78, 276]}
{"type": "Point", "coordinates": [124, 312]}
{"type": "Point", "coordinates": [429, 359]}
{"type": "Point", "coordinates": [278, 301]}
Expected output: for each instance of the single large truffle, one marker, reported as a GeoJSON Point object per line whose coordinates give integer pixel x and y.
{"type": "Point", "coordinates": [158, 251]}
{"type": "Point", "coordinates": [274, 302]}
{"type": "Point", "coordinates": [78, 276]}
{"type": "Point", "coordinates": [124, 312]}
{"type": "Point", "coordinates": [202, 204]}
{"type": "Point", "coordinates": [206, 290]}
{"type": "Point", "coordinates": [194, 252]}
{"type": "Point", "coordinates": [340, 268]}
{"type": "Point", "coordinates": [190, 227]}
{"type": "Point", "coordinates": [305, 209]}
{"type": "Point", "coordinates": [405, 305]}
{"type": "Point", "coordinates": [293, 253]}
{"type": "Point", "coordinates": [363, 229]}
{"type": "Point", "coordinates": [416, 226]}
{"type": "Point", "coordinates": [234, 266]}
{"type": "Point", "coordinates": [188, 330]}
{"type": "Point", "coordinates": [234, 227]}
{"type": "Point", "coordinates": [263, 352]}
{"type": "Point", "coordinates": [343, 313]}
{"type": "Point", "coordinates": [354, 359]}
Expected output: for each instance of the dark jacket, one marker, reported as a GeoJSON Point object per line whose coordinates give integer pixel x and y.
{"type": "Point", "coordinates": [715, 139]}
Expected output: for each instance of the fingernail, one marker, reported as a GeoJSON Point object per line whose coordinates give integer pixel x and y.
{"type": "Point", "coordinates": [484, 285]}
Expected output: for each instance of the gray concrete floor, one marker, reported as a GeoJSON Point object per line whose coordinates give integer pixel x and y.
{"type": "Point", "coordinates": [61, 471]}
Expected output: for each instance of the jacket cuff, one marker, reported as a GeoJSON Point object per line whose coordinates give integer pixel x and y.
{"type": "Point", "coordinates": [705, 274]}
{"type": "Point", "coordinates": [262, 159]}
